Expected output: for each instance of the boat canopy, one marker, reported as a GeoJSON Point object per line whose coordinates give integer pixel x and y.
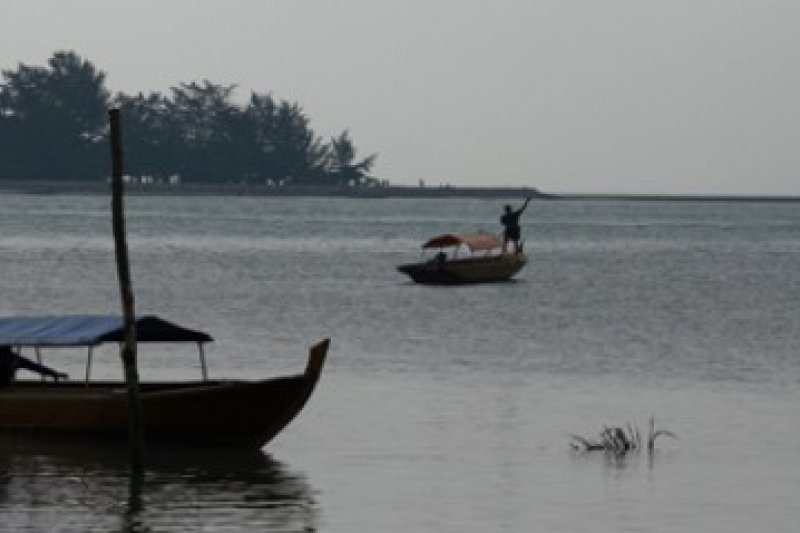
{"type": "Point", "coordinates": [474, 241]}
{"type": "Point", "coordinates": [90, 330]}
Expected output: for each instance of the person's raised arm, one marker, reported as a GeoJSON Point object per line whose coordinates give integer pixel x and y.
{"type": "Point", "coordinates": [525, 205]}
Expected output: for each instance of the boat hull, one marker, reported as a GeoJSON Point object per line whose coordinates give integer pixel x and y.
{"type": "Point", "coordinates": [232, 413]}
{"type": "Point", "coordinates": [486, 269]}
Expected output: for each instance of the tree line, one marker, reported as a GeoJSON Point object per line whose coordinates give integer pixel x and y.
{"type": "Point", "coordinates": [53, 126]}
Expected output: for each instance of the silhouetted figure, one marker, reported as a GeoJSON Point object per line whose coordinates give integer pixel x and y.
{"type": "Point", "coordinates": [11, 361]}
{"type": "Point", "coordinates": [511, 229]}
{"type": "Point", "coordinates": [621, 440]}
{"type": "Point", "coordinates": [439, 259]}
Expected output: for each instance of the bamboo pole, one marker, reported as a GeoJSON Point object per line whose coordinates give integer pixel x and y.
{"type": "Point", "coordinates": [128, 349]}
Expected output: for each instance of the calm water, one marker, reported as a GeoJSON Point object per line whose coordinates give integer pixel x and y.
{"type": "Point", "coordinates": [441, 409]}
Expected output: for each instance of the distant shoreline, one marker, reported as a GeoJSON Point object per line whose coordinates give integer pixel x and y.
{"type": "Point", "coordinates": [675, 198]}
{"type": "Point", "coordinates": [392, 191]}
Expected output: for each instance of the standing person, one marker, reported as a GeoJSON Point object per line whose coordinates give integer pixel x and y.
{"type": "Point", "coordinates": [511, 229]}
{"type": "Point", "coordinates": [11, 361]}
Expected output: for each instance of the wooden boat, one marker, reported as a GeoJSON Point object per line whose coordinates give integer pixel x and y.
{"type": "Point", "coordinates": [450, 269]}
{"type": "Point", "coordinates": [205, 413]}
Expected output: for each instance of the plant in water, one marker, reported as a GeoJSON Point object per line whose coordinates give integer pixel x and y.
{"type": "Point", "coordinates": [620, 440]}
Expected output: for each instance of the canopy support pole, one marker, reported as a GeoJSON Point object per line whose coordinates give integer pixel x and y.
{"type": "Point", "coordinates": [38, 358]}
{"type": "Point", "coordinates": [88, 364]}
{"type": "Point", "coordinates": [203, 367]}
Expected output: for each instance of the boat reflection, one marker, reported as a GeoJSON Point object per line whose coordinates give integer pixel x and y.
{"type": "Point", "coordinates": [68, 484]}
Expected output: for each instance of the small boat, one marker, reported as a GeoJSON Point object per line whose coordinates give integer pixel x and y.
{"type": "Point", "coordinates": [483, 264]}
{"type": "Point", "coordinates": [242, 414]}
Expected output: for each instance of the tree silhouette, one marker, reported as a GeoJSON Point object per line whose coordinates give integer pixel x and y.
{"type": "Point", "coordinates": [152, 140]}
{"type": "Point", "coordinates": [53, 126]}
{"type": "Point", "coordinates": [205, 119]}
{"type": "Point", "coordinates": [300, 154]}
{"type": "Point", "coordinates": [58, 118]}
{"type": "Point", "coordinates": [343, 169]}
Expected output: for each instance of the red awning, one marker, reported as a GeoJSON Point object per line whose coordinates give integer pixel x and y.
{"type": "Point", "coordinates": [474, 241]}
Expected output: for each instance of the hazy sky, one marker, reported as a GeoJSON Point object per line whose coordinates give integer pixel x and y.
{"type": "Point", "coordinates": [637, 96]}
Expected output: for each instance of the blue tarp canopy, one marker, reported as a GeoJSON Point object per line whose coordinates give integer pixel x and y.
{"type": "Point", "coordinates": [89, 330]}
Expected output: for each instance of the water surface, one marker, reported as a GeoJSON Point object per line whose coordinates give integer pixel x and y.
{"type": "Point", "coordinates": [440, 409]}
